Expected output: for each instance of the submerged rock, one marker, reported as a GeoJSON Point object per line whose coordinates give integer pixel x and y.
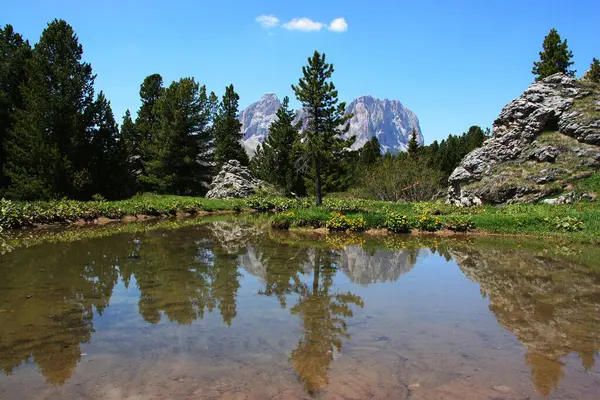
{"type": "Point", "coordinates": [540, 142]}
{"type": "Point", "coordinates": [234, 181]}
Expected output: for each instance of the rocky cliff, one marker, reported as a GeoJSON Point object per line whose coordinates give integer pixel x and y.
{"type": "Point", "coordinates": [256, 120]}
{"type": "Point", "coordinates": [388, 120]}
{"type": "Point", "coordinates": [541, 142]}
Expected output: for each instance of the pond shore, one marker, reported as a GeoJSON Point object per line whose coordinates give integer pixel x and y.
{"type": "Point", "coordinates": [578, 222]}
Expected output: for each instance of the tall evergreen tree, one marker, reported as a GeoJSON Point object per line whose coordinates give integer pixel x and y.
{"type": "Point", "coordinates": [275, 160]}
{"type": "Point", "coordinates": [228, 130]}
{"type": "Point", "coordinates": [370, 153]}
{"type": "Point", "coordinates": [326, 122]}
{"type": "Point", "coordinates": [172, 165]}
{"type": "Point", "coordinates": [554, 58]}
{"type": "Point", "coordinates": [132, 144]}
{"type": "Point", "coordinates": [47, 147]}
{"type": "Point", "coordinates": [594, 73]}
{"type": "Point", "coordinates": [413, 143]}
{"type": "Point", "coordinates": [14, 53]}
{"type": "Point", "coordinates": [148, 121]}
{"type": "Point", "coordinates": [108, 169]}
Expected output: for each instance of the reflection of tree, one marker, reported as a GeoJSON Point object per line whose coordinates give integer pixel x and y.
{"type": "Point", "coordinates": [552, 308]}
{"type": "Point", "coordinates": [323, 321]}
{"type": "Point", "coordinates": [182, 278]}
{"type": "Point", "coordinates": [48, 298]}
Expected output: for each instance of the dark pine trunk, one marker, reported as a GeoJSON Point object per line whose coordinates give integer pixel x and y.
{"type": "Point", "coordinates": [318, 194]}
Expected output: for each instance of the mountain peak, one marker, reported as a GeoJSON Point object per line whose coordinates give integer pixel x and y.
{"type": "Point", "coordinates": [388, 120]}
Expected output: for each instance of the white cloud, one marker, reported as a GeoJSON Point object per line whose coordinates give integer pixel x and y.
{"type": "Point", "coordinates": [268, 21]}
{"type": "Point", "coordinates": [304, 24]}
{"type": "Point", "coordinates": [338, 25]}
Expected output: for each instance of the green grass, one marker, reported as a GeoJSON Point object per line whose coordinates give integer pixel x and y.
{"type": "Point", "coordinates": [20, 214]}
{"type": "Point", "coordinates": [578, 222]}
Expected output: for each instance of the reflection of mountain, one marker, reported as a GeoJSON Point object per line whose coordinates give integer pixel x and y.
{"type": "Point", "coordinates": [553, 309]}
{"type": "Point", "coordinates": [363, 267]}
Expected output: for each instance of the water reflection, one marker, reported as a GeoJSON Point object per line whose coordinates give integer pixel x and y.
{"type": "Point", "coordinates": [47, 306]}
{"type": "Point", "coordinates": [553, 308]}
{"type": "Point", "coordinates": [50, 294]}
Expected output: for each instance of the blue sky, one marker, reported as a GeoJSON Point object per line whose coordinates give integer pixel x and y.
{"type": "Point", "coordinates": [455, 63]}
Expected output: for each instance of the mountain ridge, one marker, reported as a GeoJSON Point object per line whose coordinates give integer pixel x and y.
{"type": "Point", "coordinates": [389, 120]}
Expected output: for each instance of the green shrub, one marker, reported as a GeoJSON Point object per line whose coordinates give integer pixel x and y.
{"type": "Point", "coordinates": [339, 222]}
{"type": "Point", "coordinates": [397, 223]}
{"type": "Point", "coordinates": [428, 223]}
{"type": "Point", "coordinates": [459, 224]}
{"type": "Point", "coordinates": [567, 224]}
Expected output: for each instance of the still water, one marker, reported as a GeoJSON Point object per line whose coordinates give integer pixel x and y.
{"type": "Point", "coordinates": [230, 310]}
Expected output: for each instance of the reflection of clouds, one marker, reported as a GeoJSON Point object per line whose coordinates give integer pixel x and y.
{"type": "Point", "coordinates": [552, 308]}
{"type": "Point", "coordinates": [364, 268]}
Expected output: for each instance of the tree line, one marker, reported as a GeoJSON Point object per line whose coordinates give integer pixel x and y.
{"type": "Point", "coordinates": [59, 138]}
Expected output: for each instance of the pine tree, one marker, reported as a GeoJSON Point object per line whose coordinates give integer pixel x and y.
{"type": "Point", "coordinates": [474, 138]}
{"type": "Point", "coordinates": [326, 122]}
{"type": "Point", "coordinates": [132, 143]}
{"type": "Point", "coordinates": [108, 169]}
{"type": "Point", "coordinates": [47, 147]}
{"type": "Point", "coordinates": [370, 153]}
{"type": "Point", "coordinates": [147, 122]}
{"type": "Point", "coordinates": [413, 143]}
{"type": "Point", "coordinates": [554, 58]}
{"type": "Point", "coordinates": [228, 130]}
{"type": "Point", "coordinates": [14, 53]}
{"type": "Point", "coordinates": [594, 73]}
{"type": "Point", "coordinates": [275, 160]}
{"type": "Point", "coordinates": [172, 163]}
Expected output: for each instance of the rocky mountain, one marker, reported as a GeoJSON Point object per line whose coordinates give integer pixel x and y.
{"type": "Point", "coordinates": [389, 120]}
{"type": "Point", "coordinates": [541, 143]}
{"type": "Point", "coordinates": [256, 120]}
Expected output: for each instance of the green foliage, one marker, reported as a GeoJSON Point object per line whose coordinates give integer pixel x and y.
{"type": "Point", "coordinates": [146, 125]}
{"type": "Point", "coordinates": [14, 55]}
{"type": "Point", "coordinates": [322, 144]}
{"type": "Point", "coordinates": [15, 214]}
{"type": "Point", "coordinates": [459, 224]}
{"type": "Point", "coordinates": [397, 223]}
{"type": "Point", "coordinates": [446, 155]}
{"type": "Point", "coordinates": [402, 178]}
{"type": "Point", "coordinates": [108, 168]}
{"type": "Point", "coordinates": [228, 130]}
{"type": "Point", "coordinates": [370, 153]}
{"type": "Point", "coordinates": [340, 222]}
{"type": "Point", "coordinates": [554, 58]}
{"type": "Point", "coordinates": [49, 146]}
{"type": "Point", "coordinates": [566, 224]}
{"type": "Point", "coordinates": [413, 143]}
{"type": "Point", "coordinates": [275, 160]}
{"type": "Point", "coordinates": [428, 223]}
{"type": "Point", "coordinates": [593, 74]}
{"type": "Point", "coordinates": [172, 152]}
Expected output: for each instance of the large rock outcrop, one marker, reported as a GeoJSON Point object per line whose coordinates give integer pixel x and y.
{"type": "Point", "coordinates": [234, 181]}
{"type": "Point", "coordinates": [541, 142]}
{"type": "Point", "coordinates": [388, 120]}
